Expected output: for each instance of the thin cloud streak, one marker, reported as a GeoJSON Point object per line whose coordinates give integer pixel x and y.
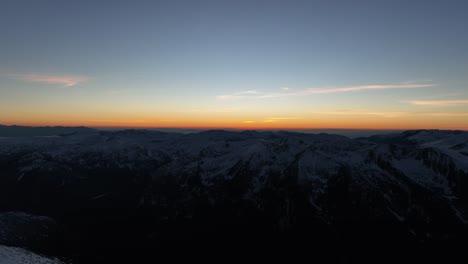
{"type": "Point", "coordinates": [366, 87]}
{"type": "Point", "coordinates": [365, 112]}
{"type": "Point", "coordinates": [285, 118]}
{"type": "Point", "coordinates": [438, 102]}
{"type": "Point", "coordinates": [450, 114]}
{"type": "Point", "coordinates": [65, 80]}
{"type": "Point", "coordinates": [249, 92]}
{"type": "Point", "coordinates": [237, 95]}
{"type": "Point", "coordinates": [222, 110]}
{"type": "Point", "coordinates": [278, 119]}
{"type": "Point", "coordinates": [258, 95]}
{"type": "Point", "coordinates": [393, 114]}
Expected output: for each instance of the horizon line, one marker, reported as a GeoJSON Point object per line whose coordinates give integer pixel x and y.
{"type": "Point", "coordinates": [238, 128]}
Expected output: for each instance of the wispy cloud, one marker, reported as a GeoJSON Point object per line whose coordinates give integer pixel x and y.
{"type": "Point", "coordinates": [324, 90]}
{"type": "Point", "coordinates": [278, 119]}
{"type": "Point", "coordinates": [419, 81]}
{"type": "Point", "coordinates": [449, 114]}
{"type": "Point", "coordinates": [438, 102]}
{"type": "Point", "coordinates": [392, 114]}
{"type": "Point", "coordinates": [238, 95]}
{"type": "Point", "coordinates": [249, 92]}
{"type": "Point", "coordinates": [65, 80]}
{"type": "Point", "coordinates": [366, 112]}
{"type": "Point", "coordinates": [365, 87]}
{"type": "Point", "coordinates": [216, 110]}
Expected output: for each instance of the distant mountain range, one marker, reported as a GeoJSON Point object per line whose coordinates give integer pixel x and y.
{"type": "Point", "coordinates": [29, 131]}
{"type": "Point", "coordinates": [329, 197]}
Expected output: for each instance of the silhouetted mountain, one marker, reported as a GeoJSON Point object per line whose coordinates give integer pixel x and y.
{"type": "Point", "coordinates": [276, 194]}
{"type": "Point", "coordinates": [26, 131]}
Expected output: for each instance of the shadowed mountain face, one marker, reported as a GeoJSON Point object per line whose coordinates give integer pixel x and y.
{"type": "Point", "coordinates": [276, 194]}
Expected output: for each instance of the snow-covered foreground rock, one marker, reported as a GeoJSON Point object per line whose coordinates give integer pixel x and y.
{"type": "Point", "coordinates": [147, 189]}
{"type": "Point", "coordinates": [13, 255]}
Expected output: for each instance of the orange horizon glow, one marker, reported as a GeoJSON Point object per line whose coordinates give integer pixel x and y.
{"type": "Point", "coordinates": [243, 126]}
{"type": "Point", "coordinates": [247, 116]}
{"type": "Point", "coordinates": [274, 67]}
{"type": "Point", "coordinates": [362, 107]}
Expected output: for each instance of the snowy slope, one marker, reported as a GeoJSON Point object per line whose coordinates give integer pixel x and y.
{"type": "Point", "coordinates": [14, 255]}
{"type": "Point", "coordinates": [215, 154]}
{"type": "Point", "coordinates": [416, 179]}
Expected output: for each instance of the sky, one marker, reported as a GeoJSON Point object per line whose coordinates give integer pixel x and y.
{"type": "Point", "coordinates": [235, 64]}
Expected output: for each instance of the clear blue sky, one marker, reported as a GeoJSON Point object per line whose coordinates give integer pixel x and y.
{"type": "Point", "coordinates": [395, 64]}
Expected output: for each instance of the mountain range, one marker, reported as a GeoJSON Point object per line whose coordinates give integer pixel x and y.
{"type": "Point", "coordinates": [84, 194]}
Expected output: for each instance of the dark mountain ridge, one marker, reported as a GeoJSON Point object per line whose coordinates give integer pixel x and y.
{"type": "Point", "coordinates": [29, 131]}
{"type": "Point", "coordinates": [278, 194]}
